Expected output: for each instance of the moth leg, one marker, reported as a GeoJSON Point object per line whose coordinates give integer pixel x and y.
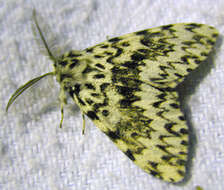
{"type": "Point", "coordinates": [62, 115]}
{"type": "Point", "coordinates": [63, 101]}
{"type": "Point", "coordinates": [83, 123]}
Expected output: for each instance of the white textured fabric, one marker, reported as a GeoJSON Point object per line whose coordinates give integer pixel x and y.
{"type": "Point", "coordinates": [36, 155]}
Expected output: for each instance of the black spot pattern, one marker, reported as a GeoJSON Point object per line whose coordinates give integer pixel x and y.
{"type": "Point", "coordinates": [90, 86]}
{"type": "Point", "coordinates": [100, 66]}
{"type": "Point", "coordinates": [92, 115]}
{"type": "Point", "coordinates": [114, 39]}
{"type": "Point", "coordinates": [113, 135]}
{"type": "Point", "coordinates": [130, 155]}
{"type": "Point", "coordinates": [99, 76]}
{"type": "Point", "coordinates": [105, 113]}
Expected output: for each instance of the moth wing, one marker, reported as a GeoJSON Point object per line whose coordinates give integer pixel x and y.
{"type": "Point", "coordinates": [162, 56]}
{"type": "Point", "coordinates": [129, 93]}
{"type": "Point", "coordinates": [151, 131]}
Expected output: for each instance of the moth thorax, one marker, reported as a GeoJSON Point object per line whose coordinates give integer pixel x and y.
{"type": "Point", "coordinates": [70, 72]}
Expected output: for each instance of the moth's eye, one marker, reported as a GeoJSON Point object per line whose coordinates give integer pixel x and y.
{"type": "Point", "coordinates": [63, 63]}
{"type": "Point", "coordinates": [65, 77]}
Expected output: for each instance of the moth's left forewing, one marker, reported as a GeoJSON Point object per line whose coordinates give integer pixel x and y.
{"type": "Point", "coordinates": [164, 55]}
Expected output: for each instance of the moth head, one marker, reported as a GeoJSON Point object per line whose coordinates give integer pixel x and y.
{"type": "Point", "coordinates": [70, 68]}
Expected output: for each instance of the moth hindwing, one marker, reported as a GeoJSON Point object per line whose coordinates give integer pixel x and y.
{"type": "Point", "coordinates": [126, 86]}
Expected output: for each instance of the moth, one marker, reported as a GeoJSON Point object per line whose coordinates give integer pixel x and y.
{"type": "Point", "coordinates": [127, 87]}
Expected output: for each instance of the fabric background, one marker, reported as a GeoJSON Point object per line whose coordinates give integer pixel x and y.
{"type": "Point", "coordinates": [35, 154]}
